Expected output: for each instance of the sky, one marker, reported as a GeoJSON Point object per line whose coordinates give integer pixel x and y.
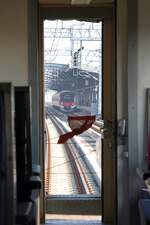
{"type": "Point", "coordinates": [58, 50]}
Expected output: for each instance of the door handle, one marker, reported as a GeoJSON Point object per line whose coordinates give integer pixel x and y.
{"type": "Point", "coordinates": [107, 128]}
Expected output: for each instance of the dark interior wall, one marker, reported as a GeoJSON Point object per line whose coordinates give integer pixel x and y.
{"type": "Point", "coordinates": [143, 75]}
{"type": "Point", "coordinates": [134, 180]}
{"type": "Point", "coordinates": [133, 52]}
{"type": "Point", "coordinates": [34, 82]}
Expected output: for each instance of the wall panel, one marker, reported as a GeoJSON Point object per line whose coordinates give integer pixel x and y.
{"type": "Point", "coordinates": [143, 75]}
{"type": "Point", "coordinates": [13, 42]}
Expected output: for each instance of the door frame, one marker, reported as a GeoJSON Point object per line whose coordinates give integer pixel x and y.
{"type": "Point", "coordinates": [109, 115]}
{"type": "Point", "coordinates": [109, 211]}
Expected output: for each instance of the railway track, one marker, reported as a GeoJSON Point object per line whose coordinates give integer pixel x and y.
{"type": "Point", "coordinates": [76, 167]}
{"type": "Point", "coordinates": [86, 181]}
{"type": "Point", "coordinates": [64, 117]}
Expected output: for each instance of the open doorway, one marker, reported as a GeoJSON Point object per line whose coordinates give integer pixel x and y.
{"type": "Point", "coordinates": [76, 199]}
{"type": "Point", "coordinates": [73, 87]}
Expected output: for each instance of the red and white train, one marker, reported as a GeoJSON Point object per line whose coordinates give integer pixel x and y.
{"type": "Point", "coordinates": [66, 101]}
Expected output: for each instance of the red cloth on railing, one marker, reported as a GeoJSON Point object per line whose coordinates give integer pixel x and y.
{"type": "Point", "coordinates": [78, 124]}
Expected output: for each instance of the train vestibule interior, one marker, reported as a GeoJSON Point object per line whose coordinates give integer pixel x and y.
{"type": "Point", "coordinates": [74, 112]}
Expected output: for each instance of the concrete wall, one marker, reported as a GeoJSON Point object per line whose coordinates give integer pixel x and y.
{"type": "Point", "coordinates": [13, 42]}
{"type": "Point", "coordinates": [143, 74]}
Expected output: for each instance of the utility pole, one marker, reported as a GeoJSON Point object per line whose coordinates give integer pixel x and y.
{"type": "Point", "coordinates": [77, 57]}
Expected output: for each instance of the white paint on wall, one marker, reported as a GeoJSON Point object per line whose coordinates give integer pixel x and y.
{"type": "Point", "coordinates": [143, 73]}
{"type": "Point", "coordinates": [13, 42]}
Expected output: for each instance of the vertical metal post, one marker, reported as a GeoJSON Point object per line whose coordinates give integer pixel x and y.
{"type": "Point", "coordinates": [100, 82]}
{"type": "Point", "coordinates": [33, 74]}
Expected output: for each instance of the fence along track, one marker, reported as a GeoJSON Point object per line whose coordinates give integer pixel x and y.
{"type": "Point", "coordinates": [47, 170]}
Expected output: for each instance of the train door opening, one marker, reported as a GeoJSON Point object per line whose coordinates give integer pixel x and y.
{"type": "Point", "coordinates": [79, 98]}
{"type": "Point", "coordinates": [73, 95]}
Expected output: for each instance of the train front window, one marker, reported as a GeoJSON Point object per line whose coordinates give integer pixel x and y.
{"type": "Point", "coordinates": [68, 97]}
{"type": "Point", "coordinates": [73, 87]}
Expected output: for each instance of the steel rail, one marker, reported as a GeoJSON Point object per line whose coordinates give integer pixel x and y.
{"type": "Point", "coordinates": [79, 171]}
{"type": "Point", "coordinates": [80, 185]}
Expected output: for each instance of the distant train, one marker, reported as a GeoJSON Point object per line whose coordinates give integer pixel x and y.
{"type": "Point", "coordinates": [66, 101]}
